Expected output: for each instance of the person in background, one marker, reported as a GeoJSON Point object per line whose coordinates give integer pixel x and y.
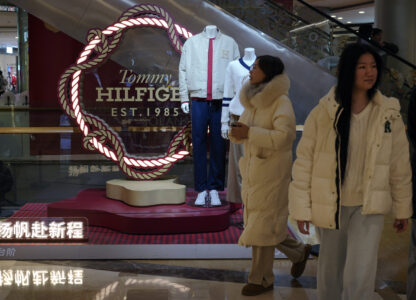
{"type": "Point", "coordinates": [13, 83]}
{"type": "Point", "coordinates": [377, 37]}
{"type": "Point", "coordinates": [3, 83]}
{"type": "Point", "coordinates": [411, 130]}
{"type": "Point", "coordinates": [267, 129]}
{"type": "Point", "coordinates": [352, 168]}
{"type": "Point", "coordinates": [365, 31]}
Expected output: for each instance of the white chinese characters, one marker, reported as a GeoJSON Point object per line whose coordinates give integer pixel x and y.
{"type": "Point", "coordinates": [41, 230]}
{"type": "Point", "coordinates": [41, 277]}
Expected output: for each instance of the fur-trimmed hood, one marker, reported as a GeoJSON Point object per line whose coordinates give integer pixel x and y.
{"type": "Point", "coordinates": [270, 92]}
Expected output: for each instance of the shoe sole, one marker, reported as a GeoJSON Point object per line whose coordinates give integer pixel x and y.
{"type": "Point", "coordinates": [270, 288]}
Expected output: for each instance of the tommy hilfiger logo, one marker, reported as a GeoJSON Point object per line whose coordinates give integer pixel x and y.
{"type": "Point", "coordinates": [387, 126]}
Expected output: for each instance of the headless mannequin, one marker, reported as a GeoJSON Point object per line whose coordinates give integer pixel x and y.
{"type": "Point", "coordinates": [211, 32]}
{"type": "Point", "coordinates": [236, 75]}
{"type": "Point", "coordinates": [249, 58]}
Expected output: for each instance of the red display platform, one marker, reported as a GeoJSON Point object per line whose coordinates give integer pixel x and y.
{"type": "Point", "coordinates": [105, 236]}
{"type": "Point", "coordinates": [160, 219]}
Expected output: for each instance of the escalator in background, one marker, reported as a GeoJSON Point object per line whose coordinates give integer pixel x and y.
{"type": "Point", "coordinates": [309, 81]}
{"type": "Point", "coordinates": [301, 35]}
{"type": "Point", "coordinates": [314, 34]}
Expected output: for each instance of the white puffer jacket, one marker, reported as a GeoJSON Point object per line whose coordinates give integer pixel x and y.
{"type": "Point", "coordinates": [314, 191]}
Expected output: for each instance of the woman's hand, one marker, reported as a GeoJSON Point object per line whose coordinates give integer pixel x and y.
{"type": "Point", "coordinates": [400, 225]}
{"type": "Point", "coordinates": [303, 226]}
{"type": "Point", "coordinates": [239, 130]}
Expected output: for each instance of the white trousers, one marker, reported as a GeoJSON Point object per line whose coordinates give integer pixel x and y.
{"type": "Point", "coordinates": [411, 276]}
{"type": "Point", "coordinates": [347, 263]}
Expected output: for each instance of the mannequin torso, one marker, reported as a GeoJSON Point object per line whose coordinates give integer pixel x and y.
{"type": "Point", "coordinates": [236, 75]}
{"type": "Point", "coordinates": [239, 74]}
{"type": "Point", "coordinates": [211, 32]}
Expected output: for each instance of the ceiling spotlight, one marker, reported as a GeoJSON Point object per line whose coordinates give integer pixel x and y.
{"type": "Point", "coordinates": [349, 22]}
{"type": "Point", "coordinates": [361, 12]}
{"type": "Point", "coordinates": [333, 16]}
{"type": "Point", "coordinates": [340, 18]}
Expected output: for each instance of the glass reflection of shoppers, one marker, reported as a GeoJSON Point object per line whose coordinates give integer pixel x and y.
{"type": "Point", "coordinates": [267, 129]}
{"type": "Point", "coordinates": [377, 37]}
{"type": "Point", "coordinates": [411, 129]}
{"type": "Point", "coordinates": [13, 83]}
{"type": "Point", "coordinates": [3, 83]}
{"type": "Point", "coordinates": [352, 167]}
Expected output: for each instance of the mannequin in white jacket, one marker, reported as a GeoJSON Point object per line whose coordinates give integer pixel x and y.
{"type": "Point", "coordinates": [211, 32]}
{"type": "Point", "coordinates": [236, 75]}
{"type": "Point", "coordinates": [204, 59]}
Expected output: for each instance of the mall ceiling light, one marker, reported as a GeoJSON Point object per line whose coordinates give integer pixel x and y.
{"type": "Point", "coordinates": [361, 12]}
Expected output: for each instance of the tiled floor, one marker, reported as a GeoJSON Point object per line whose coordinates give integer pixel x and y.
{"type": "Point", "coordinates": [183, 279]}
{"type": "Point", "coordinates": [132, 280]}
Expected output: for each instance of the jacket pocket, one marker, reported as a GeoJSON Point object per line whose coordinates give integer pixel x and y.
{"type": "Point", "coordinates": [384, 153]}
{"type": "Point", "coordinates": [379, 202]}
{"type": "Point", "coordinates": [325, 165]}
{"type": "Point", "coordinates": [321, 191]}
{"type": "Point", "coordinates": [261, 170]}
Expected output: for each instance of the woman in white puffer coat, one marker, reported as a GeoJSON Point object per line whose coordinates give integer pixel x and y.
{"type": "Point", "coordinates": [352, 168]}
{"type": "Point", "coordinates": [267, 129]}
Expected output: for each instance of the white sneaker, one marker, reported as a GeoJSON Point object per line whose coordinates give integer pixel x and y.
{"type": "Point", "coordinates": [201, 198]}
{"type": "Point", "coordinates": [215, 199]}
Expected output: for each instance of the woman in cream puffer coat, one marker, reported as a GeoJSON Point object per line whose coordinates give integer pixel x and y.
{"type": "Point", "coordinates": [267, 129]}
{"type": "Point", "coordinates": [352, 168]}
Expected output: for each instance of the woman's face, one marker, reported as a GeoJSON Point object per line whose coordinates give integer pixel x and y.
{"type": "Point", "coordinates": [256, 74]}
{"type": "Point", "coordinates": [365, 72]}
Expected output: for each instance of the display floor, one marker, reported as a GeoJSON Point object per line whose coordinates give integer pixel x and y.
{"type": "Point", "coordinates": [101, 235]}
{"type": "Point", "coordinates": [94, 205]}
{"type": "Point", "coordinates": [104, 243]}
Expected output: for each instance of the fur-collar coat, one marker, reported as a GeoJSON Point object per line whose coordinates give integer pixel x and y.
{"type": "Point", "coordinates": [267, 161]}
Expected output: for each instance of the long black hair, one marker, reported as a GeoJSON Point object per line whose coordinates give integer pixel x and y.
{"type": "Point", "coordinates": [343, 92]}
{"type": "Point", "coordinates": [271, 66]}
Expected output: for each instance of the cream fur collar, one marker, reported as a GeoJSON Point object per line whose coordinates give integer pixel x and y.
{"type": "Point", "coordinates": [264, 98]}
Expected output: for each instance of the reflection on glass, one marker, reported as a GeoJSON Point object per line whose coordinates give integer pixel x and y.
{"type": "Point", "coordinates": [137, 92]}
{"type": "Point", "coordinates": [30, 278]}
{"type": "Point", "coordinates": [158, 284]}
